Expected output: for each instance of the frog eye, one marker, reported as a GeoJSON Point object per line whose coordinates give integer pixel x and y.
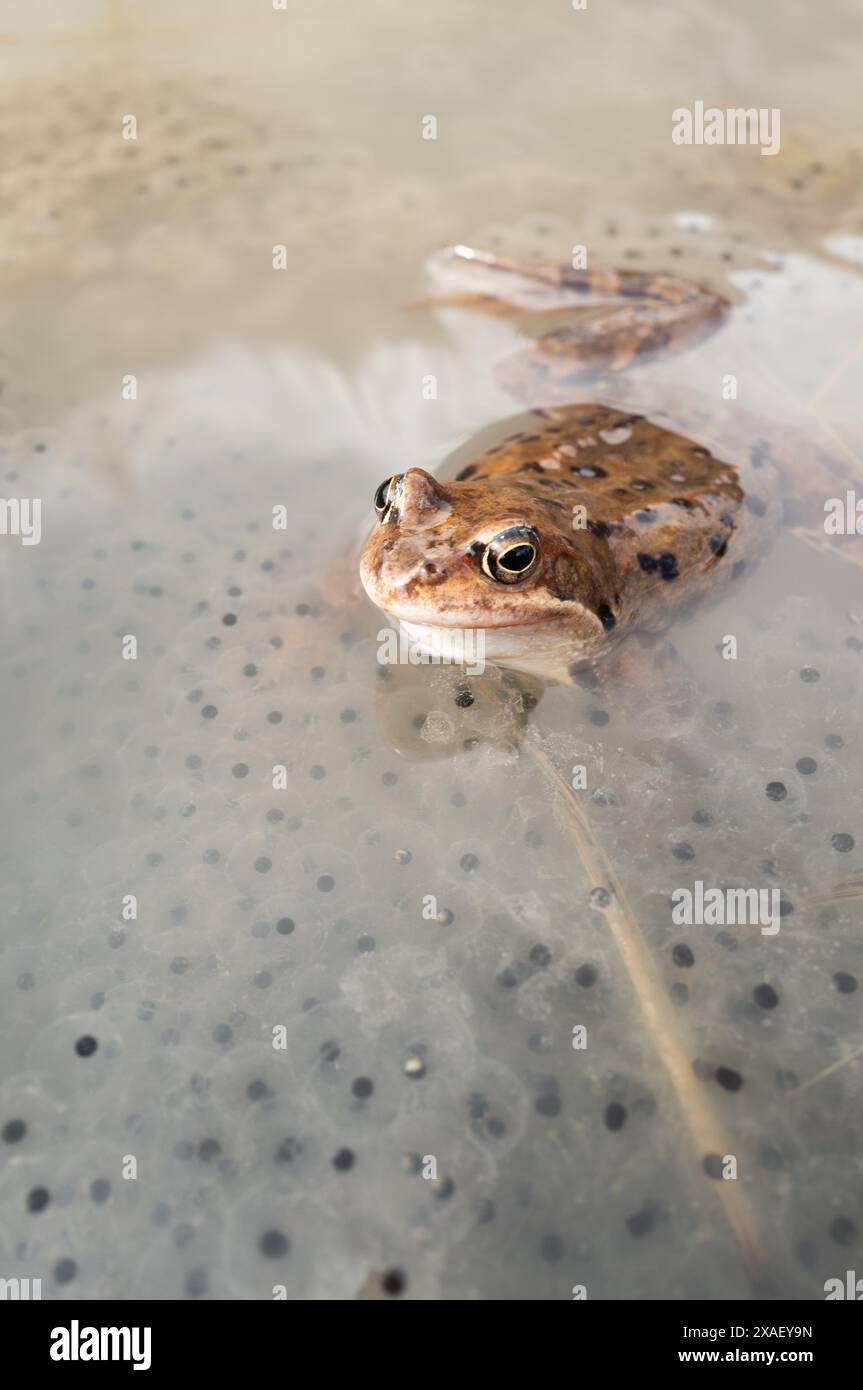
{"type": "Point", "coordinates": [386, 495]}
{"type": "Point", "coordinates": [512, 555]}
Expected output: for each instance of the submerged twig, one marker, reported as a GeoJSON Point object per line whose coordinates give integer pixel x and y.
{"type": "Point", "coordinates": [828, 1071]}
{"type": "Point", "coordinates": [661, 1021]}
{"type": "Point", "coordinates": [839, 892]}
{"type": "Point", "coordinates": [834, 375]}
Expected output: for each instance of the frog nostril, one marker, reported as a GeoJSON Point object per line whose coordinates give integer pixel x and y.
{"type": "Point", "coordinates": [430, 569]}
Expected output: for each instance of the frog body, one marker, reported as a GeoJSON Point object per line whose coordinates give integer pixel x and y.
{"type": "Point", "coordinates": [608, 520]}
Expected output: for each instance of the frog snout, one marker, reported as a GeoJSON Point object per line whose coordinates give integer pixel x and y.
{"type": "Point", "coordinates": [423, 502]}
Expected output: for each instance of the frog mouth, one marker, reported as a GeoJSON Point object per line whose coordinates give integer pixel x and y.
{"type": "Point", "coordinates": [418, 616]}
{"type": "Point", "coordinates": [516, 644]}
{"type": "Point", "coordinates": [422, 619]}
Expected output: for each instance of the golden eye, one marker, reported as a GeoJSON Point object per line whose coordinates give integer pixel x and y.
{"type": "Point", "coordinates": [512, 555]}
{"type": "Point", "coordinates": [386, 495]}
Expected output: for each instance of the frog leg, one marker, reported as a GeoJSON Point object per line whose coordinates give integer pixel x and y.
{"type": "Point", "coordinates": [818, 499]}
{"type": "Point", "coordinates": [644, 693]}
{"type": "Point", "coordinates": [645, 664]}
{"type": "Point", "coordinates": [548, 286]}
{"type": "Point", "coordinates": [623, 317]}
{"type": "Point", "coordinates": [500, 284]}
{"type": "Point", "coordinates": [819, 489]}
{"type": "Point", "coordinates": [607, 340]}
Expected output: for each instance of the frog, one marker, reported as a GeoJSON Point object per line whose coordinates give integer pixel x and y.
{"type": "Point", "coordinates": [589, 521]}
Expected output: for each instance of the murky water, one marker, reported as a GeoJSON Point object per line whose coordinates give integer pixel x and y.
{"type": "Point", "coordinates": [337, 1045]}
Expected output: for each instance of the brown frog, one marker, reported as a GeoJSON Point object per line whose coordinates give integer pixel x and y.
{"type": "Point", "coordinates": [587, 521]}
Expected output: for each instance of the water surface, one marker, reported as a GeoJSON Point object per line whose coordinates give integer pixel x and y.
{"type": "Point", "coordinates": [424, 914]}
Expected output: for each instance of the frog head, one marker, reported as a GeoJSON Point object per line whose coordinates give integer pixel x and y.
{"type": "Point", "coordinates": [488, 554]}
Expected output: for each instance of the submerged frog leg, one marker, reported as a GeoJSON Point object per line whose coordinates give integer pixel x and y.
{"type": "Point", "coordinates": [467, 299]}
{"type": "Point", "coordinates": [624, 316]}
{"type": "Point", "coordinates": [822, 501]}
{"type": "Point", "coordinates": [646, 666]}
{"type": "Point", "coordinates": [818, 492]}
{"type": "Point", "coordinates": [499, 284]}
{"type": "Point", "coordinates": [549, 285]}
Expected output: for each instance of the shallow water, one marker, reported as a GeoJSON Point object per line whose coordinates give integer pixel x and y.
{"type": "Point", "coordinates": [426, 910]}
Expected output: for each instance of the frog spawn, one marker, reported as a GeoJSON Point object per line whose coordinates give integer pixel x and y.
{"type": "Point", "coordinates": [305, 1181]}
{"type": "Point", "coordinates": [426, 713]}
